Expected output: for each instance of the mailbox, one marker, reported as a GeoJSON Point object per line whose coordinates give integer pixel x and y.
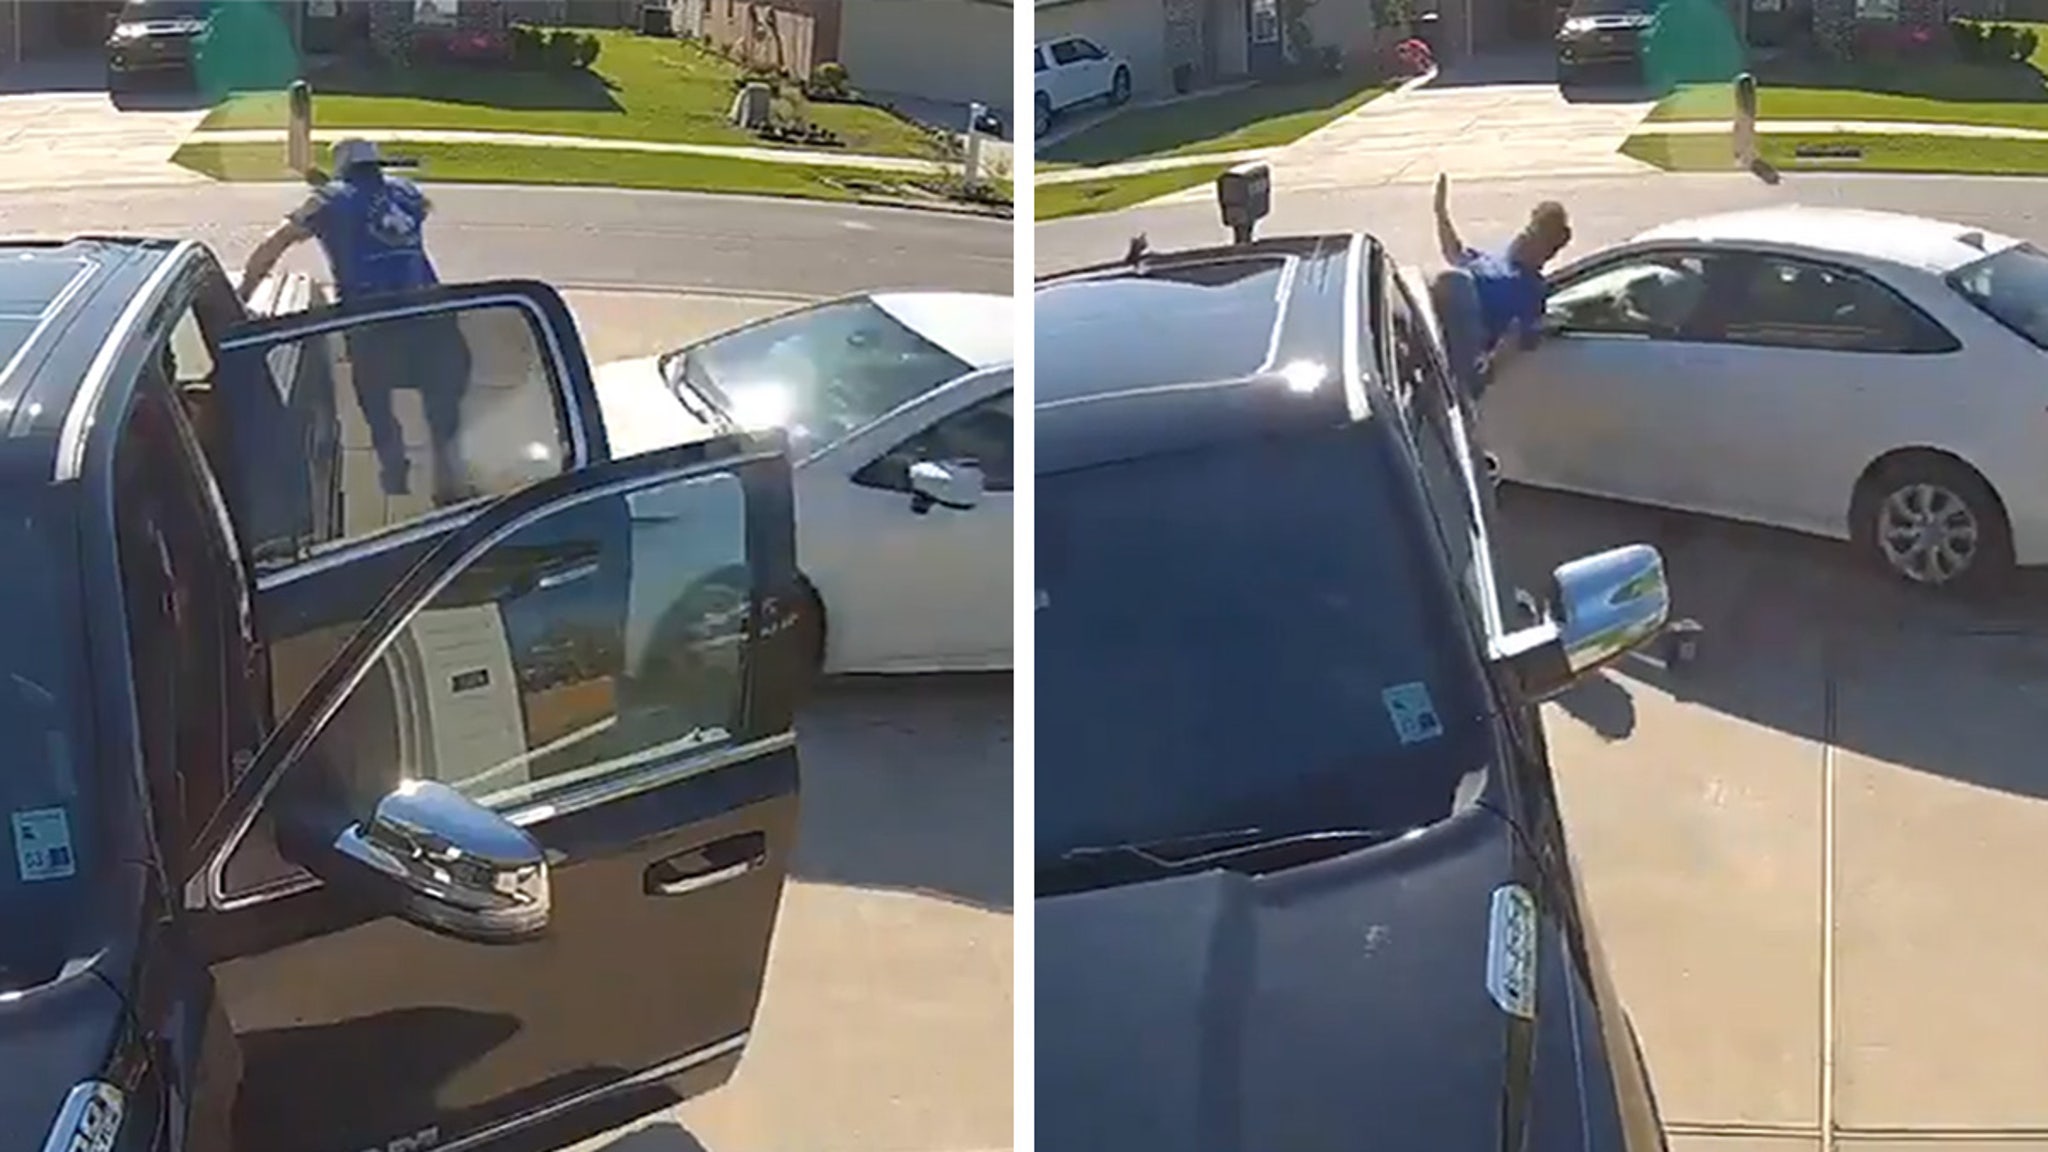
{"type": "Point", "coordinates": [1245, 196]}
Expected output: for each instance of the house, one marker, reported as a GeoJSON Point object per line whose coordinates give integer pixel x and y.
{"type": "Point", "coordinates": [936, 51]}
{"type": "Point", "coordinates": [1171, 44]}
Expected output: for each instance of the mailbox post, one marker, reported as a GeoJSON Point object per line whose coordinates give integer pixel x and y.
{"type": "Point", "coordinates": [971, 165]}
{"type": "Point", "coordinates": [1744, 134]}
{"type": "Point", "coordinates": [298, 137]}
{"type": "Point", "coordinates": [1245, 196]}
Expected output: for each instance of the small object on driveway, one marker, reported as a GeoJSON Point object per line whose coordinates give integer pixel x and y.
{"type": "Point", "coordinates": [1681, 643]}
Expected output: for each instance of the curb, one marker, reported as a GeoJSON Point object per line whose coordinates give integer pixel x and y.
{"type": "Point", "coordinates": [944, 207]}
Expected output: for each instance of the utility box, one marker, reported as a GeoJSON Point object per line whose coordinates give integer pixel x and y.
{"type": "Point", "coordinates": [1245, 196]}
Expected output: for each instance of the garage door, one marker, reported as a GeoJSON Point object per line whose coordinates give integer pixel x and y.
{"type": "Point", "coordinates": [1133, 29]}
{"type": "Point", "coordinates": [952, 51]}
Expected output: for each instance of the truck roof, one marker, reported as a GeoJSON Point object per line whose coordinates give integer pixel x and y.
{"type": "Point", "coordinates": [61, 301]}
{"type": "Point", "coordinates": [1176, 349]}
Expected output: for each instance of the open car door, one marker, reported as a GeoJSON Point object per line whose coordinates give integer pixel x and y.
{"type": "Point", "coordinates": [514, 849]}
{"type": "Point", "coordinates": [357, 436]}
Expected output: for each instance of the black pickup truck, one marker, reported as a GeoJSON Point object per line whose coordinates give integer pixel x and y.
{"type": "Point", "coordinates": [342, 819]}
{"type": "Point", "coordinates": [1302, 878]}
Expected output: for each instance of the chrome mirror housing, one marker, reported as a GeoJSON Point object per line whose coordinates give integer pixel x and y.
{"type": "Point", "coordinates": [457, 866]}
{"type": "Point", "coordinates": [1602, 607]}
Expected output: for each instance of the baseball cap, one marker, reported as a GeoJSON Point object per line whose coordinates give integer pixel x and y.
{"type": "Point", "coordinates": [353, 151]}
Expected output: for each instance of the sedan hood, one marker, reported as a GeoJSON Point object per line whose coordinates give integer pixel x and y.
{"type": "Point", "coordinates": [640, 413]}
{"type": "Point", "coordinates": [1346, 1004]}
{"type": "Point", "coordinates": [52, 1039]}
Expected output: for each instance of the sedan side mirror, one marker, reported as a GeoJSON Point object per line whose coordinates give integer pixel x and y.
{"type": "Point", "coordinates": [1602, 608]}
{"type": "Point", "coordinates": [958, 486]}
{"type": "Point", "coordinates": [452, 864]}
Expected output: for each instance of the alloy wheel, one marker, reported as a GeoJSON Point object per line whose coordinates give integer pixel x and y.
{"type": "Point", "coordinates": [1928, 533]}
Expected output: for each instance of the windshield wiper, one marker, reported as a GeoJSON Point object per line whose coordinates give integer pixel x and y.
{"type": "Point", "coordinates": [1241, 848]}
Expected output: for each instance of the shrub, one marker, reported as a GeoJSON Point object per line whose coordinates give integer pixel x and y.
{"type": "Point", "coordinates": [830, 81]}
{"type": "Point", "coordinates": [587, 49]}
{"type": "Point", "coordinates": [529, 47]}
{"type": "Point", "coordinates": [1979, 43]}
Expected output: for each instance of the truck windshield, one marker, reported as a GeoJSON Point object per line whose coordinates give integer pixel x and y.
{"type": "Point", "coordinates": [47, 839]}
{"type": "Point", "coordinates": [139, 10]}
{"type": "Point", "coordinates": [1244, 636]}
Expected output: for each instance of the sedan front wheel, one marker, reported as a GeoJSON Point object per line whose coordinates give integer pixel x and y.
{"type": "Point", "coordinates": [1933, 522]}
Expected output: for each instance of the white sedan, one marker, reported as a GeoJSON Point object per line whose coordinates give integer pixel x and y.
{"type": "Point", "coordinates": [1868, 376]}
{"type": "Point", "coordinates": [899, 410]}
{"type": "Point", "coordinates": [1070, 71]}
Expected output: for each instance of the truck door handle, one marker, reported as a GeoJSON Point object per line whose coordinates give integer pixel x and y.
{"type": "Point", "coordinates": [707, 867]}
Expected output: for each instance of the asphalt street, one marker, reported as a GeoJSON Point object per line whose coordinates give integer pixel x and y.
{"type": "Point", "coordinates": [574, 236]}
{"type": "Point", "coordinates": [1603, 210]}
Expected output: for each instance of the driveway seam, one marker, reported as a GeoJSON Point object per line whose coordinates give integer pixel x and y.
{"type": "Point", "coordinates": [1830, 735]}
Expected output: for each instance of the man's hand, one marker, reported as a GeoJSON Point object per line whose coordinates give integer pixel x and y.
{"type": "Point", "coordinates": [1447, 240]}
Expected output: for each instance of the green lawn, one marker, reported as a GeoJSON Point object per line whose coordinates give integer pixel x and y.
{"type": "Point", "coordinates": [1079, 198]}
{"type": "Point", "coordinates": [1946, 154]}
{"type": "Point", "coordinates": [641, 88]}
{"type": "Point", "coordinates": [2013, 95]}
{"type": "Point", "coordinates": [510, 164]}
{"type": "Point", "coordinates": [1261, 116]}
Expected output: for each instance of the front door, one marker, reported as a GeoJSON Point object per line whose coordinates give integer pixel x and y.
{"type": "Point", "coordinates": [911, 587]}
{"type": "Point", "coordinates": [588, 660]}
{"type": "Point", "coordinates": [1265, 50]}
{"type": "Point", "coordinates": [357, 437]}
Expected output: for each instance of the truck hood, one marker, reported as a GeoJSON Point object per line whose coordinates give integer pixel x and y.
{"type": "Point", "coordinates": [1345, 1004]}
{"type": "Point", "coordinates": [51, 1039]}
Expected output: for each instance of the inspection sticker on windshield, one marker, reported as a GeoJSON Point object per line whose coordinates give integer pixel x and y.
{"type": "Point", "coordinates": [1413, 712]}
{"type": "Point", "coordinates": [42, 845]}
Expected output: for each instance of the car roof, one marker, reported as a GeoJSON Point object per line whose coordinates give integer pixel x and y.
{"type": "Point", "coordinates": [1182, 349]}
{"type": "Point", "coordinates": [60, 302]}
{"type": "Point", "coordinates": [1930, 245]}
{"type": "Point", "coordinates": [974, 326]}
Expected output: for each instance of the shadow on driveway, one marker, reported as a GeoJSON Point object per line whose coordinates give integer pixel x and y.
{"type": "Point", "coordinates": [1932, 681]}
{"type": "Point", "coordinates": [907, 785]}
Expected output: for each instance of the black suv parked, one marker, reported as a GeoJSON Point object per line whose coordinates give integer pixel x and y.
{"type": "Point", "coordinates": [1602, 34]}
{"type": "Point", "coordinates": [155, 37]}
{"type": "Point", "coordinates": [1301, 877]}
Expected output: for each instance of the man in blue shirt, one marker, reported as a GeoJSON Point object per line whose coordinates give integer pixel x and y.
{"type": "Point", "coordinates": [1483, 299]}
{"type": "Point", "coordinates": [370, 225]}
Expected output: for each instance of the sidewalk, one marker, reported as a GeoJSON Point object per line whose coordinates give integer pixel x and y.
{"type": "Point", "coordinates": [1140, 167]}
{"type": "Point", "coordinates": [808, 158]}
{"type": "Point", "coordinates": [1842, 128]}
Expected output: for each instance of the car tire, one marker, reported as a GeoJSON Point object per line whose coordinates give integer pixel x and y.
{"type": "Point", "coordinates": [1120, 87]}
{"type": "Point", "coordinates": [1567, 74]}
{"type": "Point", "coordinates": [1933, 522]}
{"type": "Point", "coordinates": [1041, 120]}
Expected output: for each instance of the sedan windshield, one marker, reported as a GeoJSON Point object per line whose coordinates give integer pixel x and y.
{"type": "Point", "coordinates": [1244, 636]}
{"type": "Point", "coordinates": [2012, 288]}
{"type": "Point", "coordinates": [820, 373]}
{"type": "Point", "coordinates": [1611, 8]}
{"type": "Point", "coordinates": [48, 839]}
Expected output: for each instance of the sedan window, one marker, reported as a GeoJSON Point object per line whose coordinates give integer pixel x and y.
{"type": "Point", "coordinates": [1653, 296]}
{"type": "Point", "coordinates": [1786, 303]}
{"type": "Point", "coordinates": [1069, 52]}
{"type": "Point", "coordinates": [981, 434]}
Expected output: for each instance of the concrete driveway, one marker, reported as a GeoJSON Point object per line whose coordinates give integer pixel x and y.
{"type": "Point", "coordinates": [60, 129]}
{"type": "Point", "coordinates": [1500, 116]}
{"type": "Point", "coordinates": [1809, 854]}
{"type": "Point", "coordinates": [886, 1024]}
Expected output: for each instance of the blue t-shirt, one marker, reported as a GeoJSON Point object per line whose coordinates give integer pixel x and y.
{"type": "Point", "coordinates": [1509, 295]}
{"type": "Point", "coordinates": [372, 228]}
